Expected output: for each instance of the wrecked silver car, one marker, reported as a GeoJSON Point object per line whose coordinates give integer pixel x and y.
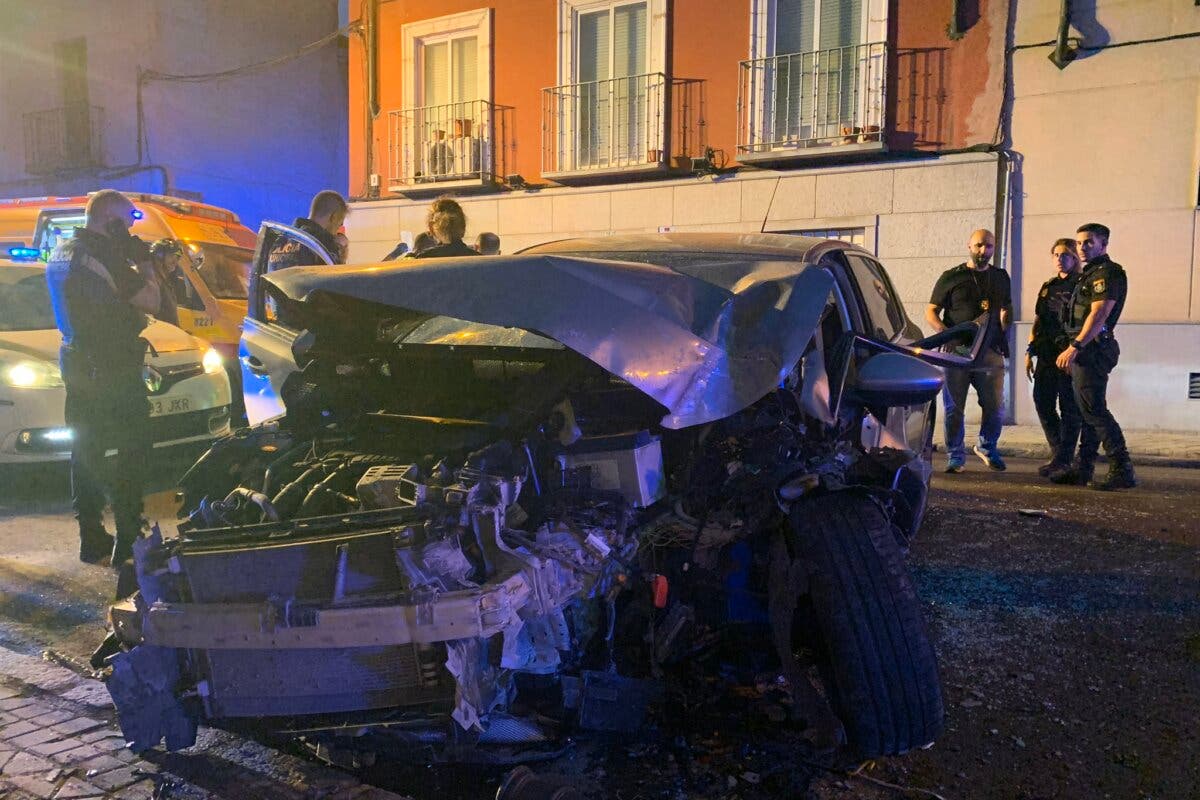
{"type": "Point", "coordinates": [509, 495]}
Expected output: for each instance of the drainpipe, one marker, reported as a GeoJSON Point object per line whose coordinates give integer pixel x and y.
{"type": "Point", "coordinates": [371, 106]}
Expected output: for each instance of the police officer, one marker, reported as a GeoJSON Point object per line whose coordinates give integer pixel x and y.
{"type": "Point", "coordinates": [326, 214]}
{"type": "Point", "coordinates": [960, 295]}
{"type": "Point", "coordinates": [100, 303]}
{"type": "Point", "coordinates": [165, 255]}
{"type": "Point", "coordinates": [1096, 305]}
{"type": "Point", "coordinates": [1053, 395]}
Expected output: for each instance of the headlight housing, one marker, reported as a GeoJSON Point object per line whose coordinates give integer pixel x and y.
{"type": "Point", "coordinates": [23, 372]}
{"type": "Point", "coordinates": [212, 361]}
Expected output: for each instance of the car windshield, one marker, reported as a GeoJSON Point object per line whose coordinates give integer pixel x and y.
{"type": "Point", "coordinates": [224, 269]}
{"type": "Point", "coordinates": [24, 299]}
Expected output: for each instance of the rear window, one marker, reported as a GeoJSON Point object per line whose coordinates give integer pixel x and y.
{"type": "Point", "coordinates": [24, 299]}
{"type": "Point", "coordinates": [224, 270]}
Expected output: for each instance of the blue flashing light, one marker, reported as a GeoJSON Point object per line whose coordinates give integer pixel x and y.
{"type": "Point", "coordinates": [23, 252]}
{"type": "Point", "coordinates": [136, 214]}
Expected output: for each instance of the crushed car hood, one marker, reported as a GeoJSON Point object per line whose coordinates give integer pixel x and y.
{"type": "Point", "coordinates": [705, 344]}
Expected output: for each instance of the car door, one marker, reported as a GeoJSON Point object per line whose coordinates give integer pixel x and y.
{"type": "Point", "coordinates": [884, 320]}
{"type": "Point", "coordinates": [269, 350]}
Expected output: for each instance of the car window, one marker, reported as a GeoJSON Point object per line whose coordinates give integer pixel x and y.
{"type": "Point", "coordinates": [24, 300]}
{"type": "Point", "coordinates": [885, 315]}
{"type": "Point", "coordinates": [225, 270]}
{"type": "Point", "coordinates": [185, 293]}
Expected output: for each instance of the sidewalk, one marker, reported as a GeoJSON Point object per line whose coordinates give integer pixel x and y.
{"type": "Point", "coordinates": [59, 741]}
{"type": "Point", "coordinates": [1150, 447]}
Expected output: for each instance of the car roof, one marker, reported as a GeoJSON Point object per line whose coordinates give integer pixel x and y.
{"type": "Point", "coordinates": [777, 245]}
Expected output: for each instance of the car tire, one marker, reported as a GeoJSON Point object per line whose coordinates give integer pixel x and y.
{"type": "Point", "coordinates": [878, 665]}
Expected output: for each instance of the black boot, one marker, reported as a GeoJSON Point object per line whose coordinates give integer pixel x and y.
{"type": "Point", "coordinates": [95, 543]}
{"type": "Point", "coordinates": [1120, 476]}
{"type": "Point", "coordinates": [1079, 474]}
{"type": "Point", "coordinates": [1052, 466]}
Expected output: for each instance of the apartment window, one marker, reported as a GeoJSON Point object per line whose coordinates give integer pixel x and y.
{"type": "Point", "coordinates": [609, 109]}
{"type": "Point", "coordinates": [444, 131]}
{"type": "Point", "coordinates": [816, 74]}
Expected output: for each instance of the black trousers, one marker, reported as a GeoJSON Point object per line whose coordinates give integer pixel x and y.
{"type": "Point", "coordinates": [106, 409]}
{"type": "Point", "coordinates": [1054, 399]}
{"type": "Point", "coordinates": [1089, 377]}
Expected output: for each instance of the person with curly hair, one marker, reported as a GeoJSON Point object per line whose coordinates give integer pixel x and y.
{"type": "Point", "coordinates": [448, 224]}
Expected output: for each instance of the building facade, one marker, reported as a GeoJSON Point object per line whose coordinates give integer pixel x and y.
{"type": "Point", "coordinates": [900, 126]}
{"type": "Point", "coordinates": [97, 98]}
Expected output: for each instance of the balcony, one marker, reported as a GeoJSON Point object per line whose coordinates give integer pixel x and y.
{"type": "Point", "coordinates": [64, 139]}
{"type": "Point", "coordinates": [824, 103]}
{"type": "Point", "coordinates": [458, 146]}
{"type": "Point", "coordinates": [632, 126]}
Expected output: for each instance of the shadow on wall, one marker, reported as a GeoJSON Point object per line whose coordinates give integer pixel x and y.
{"type": "Point", "coordinates": [1092, 34]}
{"type": "Point", "coordinates": [920, 98]}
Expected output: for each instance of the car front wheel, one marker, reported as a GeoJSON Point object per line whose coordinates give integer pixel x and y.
{"type": "Point", "coordinates": [874, 652]}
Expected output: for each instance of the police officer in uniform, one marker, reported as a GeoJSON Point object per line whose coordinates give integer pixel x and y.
{"type": "Point", "coordinates": [1053, 394]}
{"type": "Point", "coordinates": [1096, 305]}
{"type": "Point", "coordinates": [960, 295]}
{"type": "Point", "coordinates": [326, 214]}
{"type": "Point", "coordinates": [100, 303]}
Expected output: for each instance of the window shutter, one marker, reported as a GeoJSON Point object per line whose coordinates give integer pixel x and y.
{"type": "Point", "coordinates": [436, 67]}
{"type": "Point", "coordinates": [466, 66]}
{"type": "Point", "coordinates": [794, 26]}
{"type": "Point", "coordinates": [593, 46]}
{"type": "Point", "coordinates": [841, 23]}
{"type": "Point", "coordinates": [629, 40]}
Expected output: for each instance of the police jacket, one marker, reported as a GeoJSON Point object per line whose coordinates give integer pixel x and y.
{"type": "Point", "coordinates": [447, 250]}
{"type": "Point", "coordinates": [1050, 316]}
{"type": "Point", "coordinates": [963, 293]}
{"type": "Point", "coordinates": [1102, 279]}
{"type": "Point", "coordinates": [293, 254]}
{"type": "Point", "coordinates": [91, 282]}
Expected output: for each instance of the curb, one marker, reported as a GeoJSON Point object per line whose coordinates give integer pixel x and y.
{"type": "Point", "coordinates": [1141, 459]}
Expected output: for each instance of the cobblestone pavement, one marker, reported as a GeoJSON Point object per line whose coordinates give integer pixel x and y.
{"type": "Point", "coordinates": [64, 743]}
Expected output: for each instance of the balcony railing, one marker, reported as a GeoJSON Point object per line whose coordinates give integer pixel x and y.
{"type": "Point", "coordinates": [62, 139]}
{"type": "Point", "coordinates": [632, 123]}
{"type": "Point", "coordinates": [454, 143]}
{"type": "Point", "coordinates": [823, 99]}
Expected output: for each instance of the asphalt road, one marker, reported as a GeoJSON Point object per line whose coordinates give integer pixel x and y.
{"type": "Point", "coordinates": [1069, 640]}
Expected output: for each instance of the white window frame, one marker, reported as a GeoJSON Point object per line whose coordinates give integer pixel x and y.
{"type": "Point", "coordinates": [477, 23]}
{"type": "Point", "coordinates": [763, 15]}
{"type": "Point", "coordinates": [569, 12]}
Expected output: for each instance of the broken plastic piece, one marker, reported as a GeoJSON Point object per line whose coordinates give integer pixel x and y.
{"type": "Point", "coordinates": [661, 588]}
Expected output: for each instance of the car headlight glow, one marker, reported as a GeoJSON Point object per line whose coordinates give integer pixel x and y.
{"type": "Point", "coordinates": [212, 361]}
{"type": "Point", "coordinates": [28, 373]}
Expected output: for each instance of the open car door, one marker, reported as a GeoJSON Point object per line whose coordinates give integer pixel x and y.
{"type": "Point", "coordinates": [269, 351]}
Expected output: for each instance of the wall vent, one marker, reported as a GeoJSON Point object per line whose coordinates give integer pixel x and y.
{"type": "Point", "coordinates": [1194, 386]}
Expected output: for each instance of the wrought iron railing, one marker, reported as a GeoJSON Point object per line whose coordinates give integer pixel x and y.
{"type": "Point", "coordinates": [61, 139]}
{"type": "Point", "coordinates": [621, 123]}
{"type": "Point", "coordinates": [818, 99]}
{"type": "Point", "coordinates": [467, 141]}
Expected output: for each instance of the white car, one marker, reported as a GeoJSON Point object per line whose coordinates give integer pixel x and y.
{"type": "Point", "coordinates": [186, 383]}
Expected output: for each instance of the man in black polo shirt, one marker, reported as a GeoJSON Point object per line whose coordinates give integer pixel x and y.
{"type": "Point", "coordinates": [1053, 394]}
{"type": "Point", "coordinates": [1096, 306]}
{"type": "Point", "coordinates": [961, 294]}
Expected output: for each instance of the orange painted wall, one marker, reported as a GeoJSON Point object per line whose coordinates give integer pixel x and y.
{"type": "Point", "coordinates": [709, 38]}
{"type": "Point", "coordinates": [524, 42]}
{"type": "Point", "coordinates": [943, 94]}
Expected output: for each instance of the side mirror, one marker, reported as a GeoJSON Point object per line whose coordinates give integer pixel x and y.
{"type": "Point", "coordinates": [895, 379]}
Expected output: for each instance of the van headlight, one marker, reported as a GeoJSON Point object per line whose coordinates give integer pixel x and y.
{"type": "Point", "coordinates": [29, 373]}
{"type": "Point", "coordinates": [212, 361]}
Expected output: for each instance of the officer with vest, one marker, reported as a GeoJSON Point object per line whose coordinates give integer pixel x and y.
{"type": "Point", "coordinates": [326, 214]}
{"type": "Point", "coordinates": [1096, 305]}
{"type": "Point", "coordinates": [101, 300]}
{"type": "Point", "coordinates": [1053, 394]}
{"type": "Point", "coordinates": [960, 295]}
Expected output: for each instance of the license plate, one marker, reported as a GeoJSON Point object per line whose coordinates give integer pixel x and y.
{"type": "Point", "coordinates": [162, 406]}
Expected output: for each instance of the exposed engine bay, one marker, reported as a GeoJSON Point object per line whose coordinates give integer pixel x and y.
{"type": "Point", "coordinates": [388, 565]}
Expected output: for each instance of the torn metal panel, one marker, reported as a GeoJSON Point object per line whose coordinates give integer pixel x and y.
{"type": "Point", "coordinates": [704, 344]}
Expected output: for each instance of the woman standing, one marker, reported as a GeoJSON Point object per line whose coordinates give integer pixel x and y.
{"type": "Point", "coordinates": [448, 224]}
{"type": "Point", "coordinates": [1053, 396]}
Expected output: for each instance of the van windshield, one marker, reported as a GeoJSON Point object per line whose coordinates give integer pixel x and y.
{"type": "Point", "coordinates": [225, 270]}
